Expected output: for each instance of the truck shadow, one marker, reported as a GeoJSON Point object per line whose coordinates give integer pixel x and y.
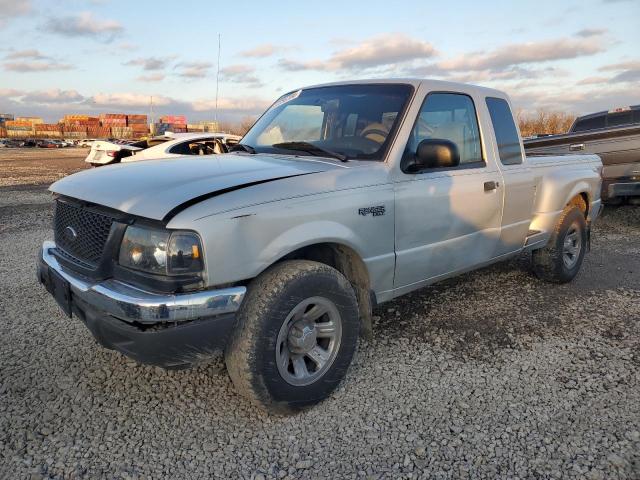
{"type": "Point", "coordinates": [504, 307]}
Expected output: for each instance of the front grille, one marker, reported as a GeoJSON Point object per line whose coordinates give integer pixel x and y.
{"type": "Point", "coordinates": [91, 231]}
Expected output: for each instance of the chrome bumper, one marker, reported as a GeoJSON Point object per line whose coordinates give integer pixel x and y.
{"type": "Point", "coordinates": [132, 304]}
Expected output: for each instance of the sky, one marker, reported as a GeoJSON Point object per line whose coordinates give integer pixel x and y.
{"type": "Point", "coordinates": [93, 56]}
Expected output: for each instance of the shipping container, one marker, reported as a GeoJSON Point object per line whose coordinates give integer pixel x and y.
{"type": "Point", "coordinates": [19, 133]}
{"type": "Point", "coordinates": [174, 119]}
{"type": "Point", "coordinates": [30, 120]}
{"type": "Point", "coordinates": [121, 132]}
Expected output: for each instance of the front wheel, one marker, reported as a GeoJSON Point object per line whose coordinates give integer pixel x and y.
{"type": "Point", "coordinates": [295, 336]}
{"type": "Point", "coordinates": [561, 259]}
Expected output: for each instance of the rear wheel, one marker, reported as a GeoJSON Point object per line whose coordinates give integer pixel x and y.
{"type": "Point", "coordinates": [295, 336]}
{"type": "Point", "coordinates": [561, 259]}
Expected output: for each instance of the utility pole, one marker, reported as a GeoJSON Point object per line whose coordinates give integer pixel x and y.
{"type": "Point", "coordinates": [215, 117]}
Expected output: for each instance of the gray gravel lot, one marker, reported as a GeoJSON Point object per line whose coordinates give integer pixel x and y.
{"type": "Point", "coordinates": [492, 375]}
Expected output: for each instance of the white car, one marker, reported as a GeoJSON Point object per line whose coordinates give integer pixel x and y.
{"type": "Point", "coordinates": [86, 143]}
{"type": "Point", "coordinates": [166, 146]}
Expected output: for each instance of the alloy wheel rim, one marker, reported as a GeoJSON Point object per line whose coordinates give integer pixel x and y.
{"type": "Point", "coordinates": [308, 341]}
{"type": "Point", "coordinates": [572, 245]}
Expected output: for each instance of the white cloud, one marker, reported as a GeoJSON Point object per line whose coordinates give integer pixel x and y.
{"type": "Point", "coordinates": [31, 53]}
{"type": "Point", "coordinates": [240, 74]}
{"type": "Point", "coordinates": [591, 32]}
{"type": "Point", "coordinates": [262, 51]}
{"type": "Point", "coordinates": [84, 24]}
{"type": "Point", "coordinates": [52, 96]}
{"type": "Point", "coordinates": [127, 100]}
{"type": "Point", "coordinates": [628, 65]}
{"type": "Point", "coordinates": [36, 66]}
{"type": "Point", "coordinates": [149, 63]}
{"type": "Point", "coordinates": [13, 8]}
{"type": "Point", "coordinates": [525, 53]}
{"type": "Point", "coordinates": [193, 69]}
{"type": "Point", "coordinates": [152, 77]}
{"type": "Point", "coordinates": [379, 51]}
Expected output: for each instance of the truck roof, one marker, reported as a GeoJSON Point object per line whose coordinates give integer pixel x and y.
{"type": "Point", "coordinates": [605, 112]}
{"type": "Point", "coordinates": [415, 82]}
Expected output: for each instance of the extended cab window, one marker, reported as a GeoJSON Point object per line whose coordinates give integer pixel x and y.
{"type": "Point", "coordinates": [449, 116]}
{"type": "Point", "coordinates": [506, 132]}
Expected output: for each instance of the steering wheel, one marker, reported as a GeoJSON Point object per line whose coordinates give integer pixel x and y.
{"type": "Point", "coordinates": [374, 130]}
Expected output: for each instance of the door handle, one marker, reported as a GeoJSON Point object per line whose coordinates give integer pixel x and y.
{"type": "Point", "coordinates": [488, 186]}
{"type": "Point", "coordinates": [576, 146]}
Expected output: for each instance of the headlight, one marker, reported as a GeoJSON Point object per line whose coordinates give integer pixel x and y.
{"type": "Point", "coordinates": [162, 252]}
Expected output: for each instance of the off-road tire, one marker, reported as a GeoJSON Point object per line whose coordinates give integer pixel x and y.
{"type": "Point", "coordinates": [250, 355]}
{"type": "Point", "coordinates": [547, 262]}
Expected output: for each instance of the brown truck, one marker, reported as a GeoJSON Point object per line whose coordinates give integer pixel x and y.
{"type": "Point", "coordinates": [614, 135]}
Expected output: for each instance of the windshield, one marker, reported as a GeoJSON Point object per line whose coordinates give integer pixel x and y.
{"type": "Point", "coordinates": [345, 121]}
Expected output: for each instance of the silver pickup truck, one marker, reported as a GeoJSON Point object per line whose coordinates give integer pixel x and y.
{"type": "Point", "coordinates": [339, 198]}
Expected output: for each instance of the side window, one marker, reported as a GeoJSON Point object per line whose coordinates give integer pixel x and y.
{"type": "Point", "coordinates": [197, 147]}
{"type": "Point", "coordinates": [181, 149]}
{"type": "Point", "coordinates": [505, 130]}
{"type": "Point", "coordinates": [589, 123]}
{"type": "Point", "coordinates": [617, 119]}
{"type": "Point", "coordinates": [449, 116]}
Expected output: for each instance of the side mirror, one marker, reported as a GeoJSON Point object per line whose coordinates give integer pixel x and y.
{"type": "Point", "coordinates": [434, 153]}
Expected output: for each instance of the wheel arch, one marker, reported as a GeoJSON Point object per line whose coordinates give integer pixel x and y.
{"type": "Point", "coordinates": [348, 262]}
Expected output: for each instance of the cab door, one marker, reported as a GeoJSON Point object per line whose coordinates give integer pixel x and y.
{"type": "Point", "coordinates": [447, 220]}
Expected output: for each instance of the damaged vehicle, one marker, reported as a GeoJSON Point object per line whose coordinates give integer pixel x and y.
{"type": "Point", "coordinates": [341, 197]}
{"type": "Point", "coordinates": [170, 145]}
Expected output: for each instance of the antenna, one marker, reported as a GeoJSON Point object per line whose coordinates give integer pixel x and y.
{"type": "Point", "coordinates": [151, 110]}
{"type": "Point", "coordinates": [217, 83]}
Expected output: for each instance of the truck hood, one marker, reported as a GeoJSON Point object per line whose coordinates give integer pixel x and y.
{"type": "Point", "coordinates": [157, 188]}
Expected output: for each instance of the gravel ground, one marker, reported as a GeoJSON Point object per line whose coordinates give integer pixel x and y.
{"type": "Point", "coordinates": [39, 166]}
{"type": "Point", "coordinates": [491, 375]}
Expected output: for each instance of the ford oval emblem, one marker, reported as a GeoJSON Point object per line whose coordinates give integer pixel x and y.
{"type": "Point", "coordinates": [71, 234]}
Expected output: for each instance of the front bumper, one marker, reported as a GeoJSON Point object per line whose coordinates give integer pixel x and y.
{"type": "Point", "coordinates": [168, 330]}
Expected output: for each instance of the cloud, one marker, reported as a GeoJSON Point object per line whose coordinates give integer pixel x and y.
{"type": "Point", "coordinates": [10, 92]}
{"type": "Point", "coordinates": [115, 100]}
{"type": "Point", "coordinates": [152, 77]}
{"type": "Point", "coordinates": [380, 51]}
{"type": "Point", "coordinates": [262, 51]}
{"type": "Point", "coordinates": [244, 105]}
{"type": "Point", "coordinates": [13, 8]}
{"type": "Point", "coordinates": [593, 81]}
{"type": "Point", "coordinates": [52, 96]}
{"type": "Point", "coordinates": [22, 54]}
{"type": "Point", "coordinates": [591, 32]}
{"type": "Point", "coordinates": [580, 101]}
{"type": "Point", "coordinates": [629, 65]}
{"type": "Point", "coordinates": [240, 74]}
{"type": "Point", "coordinates": [84, 24]}
{"type": "Point", "coordinates": [36, 66]}
{"type": "Point", "coordinates": [193, 69]}
{"type": "Point", "coordinates": [628, 71]}
{"type": "Point", "coordinates": [518, 54]}
{"type": "Point", "coordinates": [627, 76]}
{"type": "Point", "coordinates": [149, 63]}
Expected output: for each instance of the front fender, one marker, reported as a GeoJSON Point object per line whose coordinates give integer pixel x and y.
{"type": "Point", "coordinates": [241, 244]}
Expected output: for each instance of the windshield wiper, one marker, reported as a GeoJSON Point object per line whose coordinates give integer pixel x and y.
{"type": "Point", "coordinates": [312, 149]}
{"type": "Point", "coordinates": [242, 147]}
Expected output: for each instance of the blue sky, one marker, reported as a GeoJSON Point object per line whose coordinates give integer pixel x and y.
{"type": "Point", "coordinates": [80, 56]}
